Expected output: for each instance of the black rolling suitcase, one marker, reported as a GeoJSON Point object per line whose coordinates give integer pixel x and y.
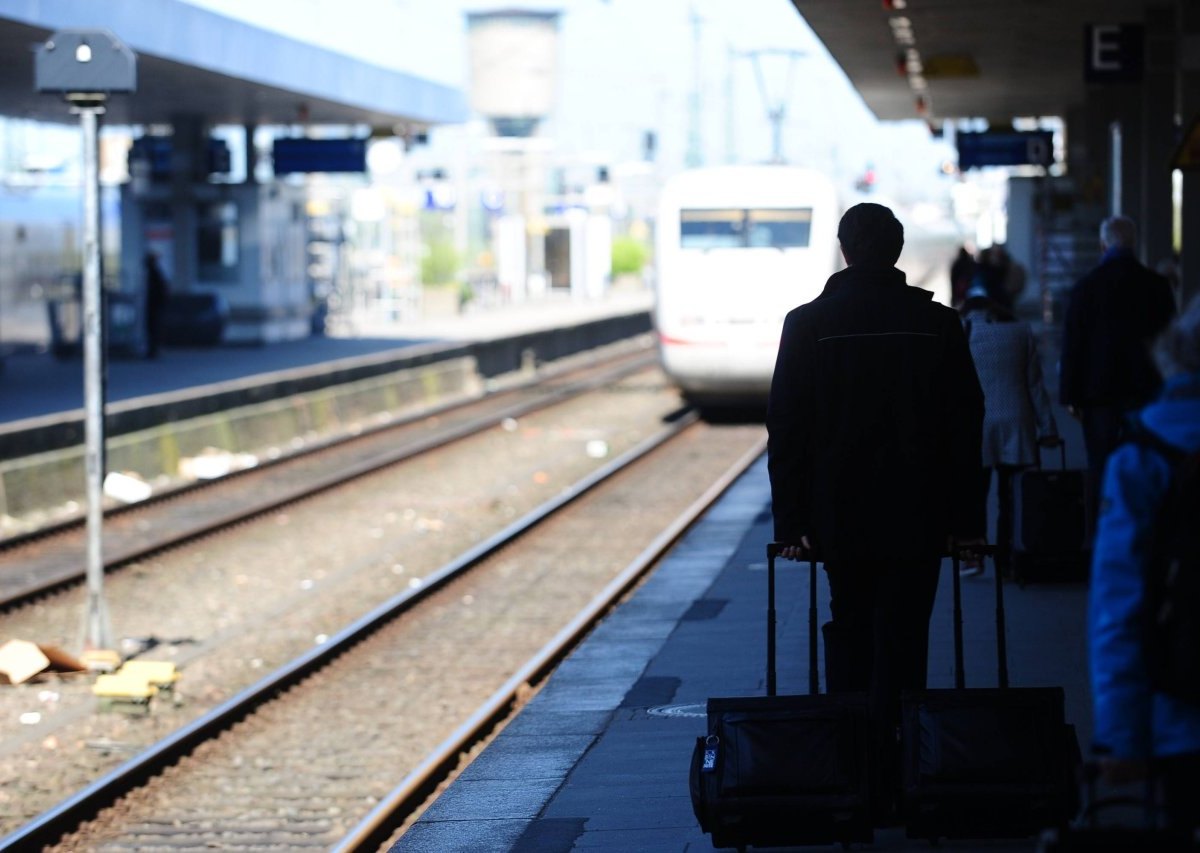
{"type": "Point", "coordinates": [779, 771]}
{"type": "Point", "coordinates": [986, 762]}
{"type": "Point", "coordinates": [1050, 536]}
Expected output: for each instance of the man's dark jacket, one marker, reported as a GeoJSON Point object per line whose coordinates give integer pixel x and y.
{"type": "Point", "coordinates": [1113, 314]}
{"type": "Point", "coordinates": [875, 421]}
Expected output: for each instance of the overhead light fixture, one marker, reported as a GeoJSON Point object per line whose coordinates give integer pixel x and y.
{"type": "Point", "coordinates": [902, 30]}
{"type": "Point", "coordinates": [893, 5]}
{"type": "Point", "coordinates": [908, 58]}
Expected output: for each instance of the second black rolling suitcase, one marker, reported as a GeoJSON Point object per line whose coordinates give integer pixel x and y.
{"type": "Point", "coordinates": [1050, 536]}
{"type": "Point", "coordinates": [777, 771]}
{"type": "Point", "coordinates": [986, 762]}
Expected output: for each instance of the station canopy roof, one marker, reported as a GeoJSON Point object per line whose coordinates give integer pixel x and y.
{"type": "Point", "coordinates": [193, 61]}
{"type": "Point", "coordinates": [995, 59]}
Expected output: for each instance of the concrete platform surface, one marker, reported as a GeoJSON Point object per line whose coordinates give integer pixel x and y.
{"type": "Point", "coordinates": [35, 384]}
{"type": "Point", "coordinates": [598, 760]}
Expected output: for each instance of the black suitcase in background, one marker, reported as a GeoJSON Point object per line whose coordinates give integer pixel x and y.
{"type": "Point", "coordinates": [1051, 541]}
{"type": "Point", "coordinates": [986, 762]}
{"type": "Point", "coordinates": [778, 771]}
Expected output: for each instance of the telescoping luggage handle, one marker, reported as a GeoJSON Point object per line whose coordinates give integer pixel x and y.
{"type": "Point", "coordinates": [1061, 444]}
{"type": "Point", "coordinates": [773, 550]}
{"type": "Point", "coordinates": [960, 679]}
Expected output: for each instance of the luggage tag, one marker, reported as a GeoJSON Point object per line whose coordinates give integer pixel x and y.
{"type": "Point", "coordinates": [709, 764]}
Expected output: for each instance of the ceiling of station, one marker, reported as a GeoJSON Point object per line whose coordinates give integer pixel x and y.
{"type": "Point", "coordinates": [191, 61]}
{"type": "Point", "coordinates": [994, 59]}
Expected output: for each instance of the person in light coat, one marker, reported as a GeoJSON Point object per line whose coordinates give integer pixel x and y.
{"type": "Point", "coordinates": [1134, 724]}
{"type": "Point", "coordinates": [1017, 413]}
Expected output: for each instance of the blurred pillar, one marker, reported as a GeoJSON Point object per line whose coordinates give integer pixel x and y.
{"type": "Point", "coordinates": [1189, 111]}
{"type": "Point", "coordinates": [1127, 160]}
{"type": "Point", "coordinates": [188, 149]}
{"type": "Point", "coordinates": [251, 153]}
{"type": "Point", "coordinates": [1158, 133]}
{"type": "Point", "coordinates": [1092, 126]}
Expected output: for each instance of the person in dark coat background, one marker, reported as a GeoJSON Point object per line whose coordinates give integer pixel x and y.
{"type": "Point", "coordinates": [874, 421]}
{"type": "Point", "coordinates": [962, 274]}
{"type": "Point", "coordinates": [1113, 314]}
{"type": "Point", "coordinates": [155, 304]}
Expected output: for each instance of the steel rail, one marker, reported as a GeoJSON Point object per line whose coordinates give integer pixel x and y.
{"type": "Point", "coordinates": [118, 558]}
{"type": "Point", "coordinates": [70, 813]}
{"type": "Point", "coordinates": [412, 792]}
{"type": "Point", "coordinates": [174, 492]}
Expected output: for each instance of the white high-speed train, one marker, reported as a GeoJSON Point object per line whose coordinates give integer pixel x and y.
{"type": "Point", "coordinates": [739, 247]}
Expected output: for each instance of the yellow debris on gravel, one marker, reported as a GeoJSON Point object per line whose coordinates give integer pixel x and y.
{"type": "Point", "coordinates": [162, 674]}
{"type": "Point", "coordinates": [121, 686]}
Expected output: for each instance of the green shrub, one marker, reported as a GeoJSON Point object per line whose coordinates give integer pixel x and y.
{"type": "Point", "coordinates": [440, 263]}
{"type": "Point", "coordinates": [628, 256]}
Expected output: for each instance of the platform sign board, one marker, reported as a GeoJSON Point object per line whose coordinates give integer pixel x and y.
{"type": "Point", "coordinates": [155, 152]}
{"type": "Point", "coordinates": [1113, 53]}
{"type": "Point", "coordinates": [1005, 148]}
{"type": "Point", "coordinates": [319, 155]}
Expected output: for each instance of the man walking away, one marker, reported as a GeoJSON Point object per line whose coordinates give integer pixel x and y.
{"type": "Point", "coordinates": [874, 423]}
{"type": "Point", "coordinates": [1113, 315]}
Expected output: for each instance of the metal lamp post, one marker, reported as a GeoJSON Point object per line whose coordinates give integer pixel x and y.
{"type": "Point", "coordinates": [86, 67]}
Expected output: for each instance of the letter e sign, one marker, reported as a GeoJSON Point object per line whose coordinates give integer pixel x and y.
{"type": "Point", "coordinates": [1113, 53]}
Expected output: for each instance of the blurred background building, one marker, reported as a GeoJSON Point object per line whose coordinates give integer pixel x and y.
{"type": "Point", "coordinates": [527, 165]}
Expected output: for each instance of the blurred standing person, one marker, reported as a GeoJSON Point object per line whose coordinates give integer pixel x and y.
{"type": "Point", "coordinates": [1000, 275]}
{"type": "Point", "coordinates": [1014, 281]}
{"type": "Point", "coordinates": [962, 275]}
{"type": "Point", "coordinates": [155, 304]}
{"type": "Point", "coordinates": [1017, 412]}
{"type": "Point", "coordinates": [1138, 725]}
{"type": "Point", "coordinates": [874, 421]}
{"type": "Point", "coordinates": [991, 272]}
{"type": "Point", "coordinates": [1113, 314]}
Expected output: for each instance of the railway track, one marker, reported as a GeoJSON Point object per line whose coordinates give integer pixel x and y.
{"type": "Point", "coordinates": [306, 757]}
{"type": "Point", "coordinates": [228, 607]}
{"type": "Point", "coordinates": [35, 563]}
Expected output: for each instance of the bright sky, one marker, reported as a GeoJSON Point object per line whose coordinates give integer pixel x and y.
{"type": "Point", "coordinates": [627, 66]}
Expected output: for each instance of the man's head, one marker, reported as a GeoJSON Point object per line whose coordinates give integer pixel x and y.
{"type": "Point", "coordinates": [871, 236]}
{"type": "Point", "coordinates": [1118, 232]}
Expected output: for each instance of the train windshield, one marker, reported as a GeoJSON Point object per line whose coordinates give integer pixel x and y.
{"type": "Point", "coordinates": [779, 228]}
{"type": "Point", "coordinates": [738, 228]}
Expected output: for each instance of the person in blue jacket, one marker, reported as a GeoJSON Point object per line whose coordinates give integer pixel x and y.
{"type": "Point", "coordinates": [1134, 724]}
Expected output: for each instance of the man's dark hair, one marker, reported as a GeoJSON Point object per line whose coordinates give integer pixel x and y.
{"type": "Point", "coordinates": [871, 235]}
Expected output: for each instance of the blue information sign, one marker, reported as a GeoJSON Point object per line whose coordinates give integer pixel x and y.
{"type": "Point", "coordinates": [156, 151]}
{"type": "Point", "coordinates": [1005, 148]}
{"type": "Point", "coordinates": [319, 155]}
